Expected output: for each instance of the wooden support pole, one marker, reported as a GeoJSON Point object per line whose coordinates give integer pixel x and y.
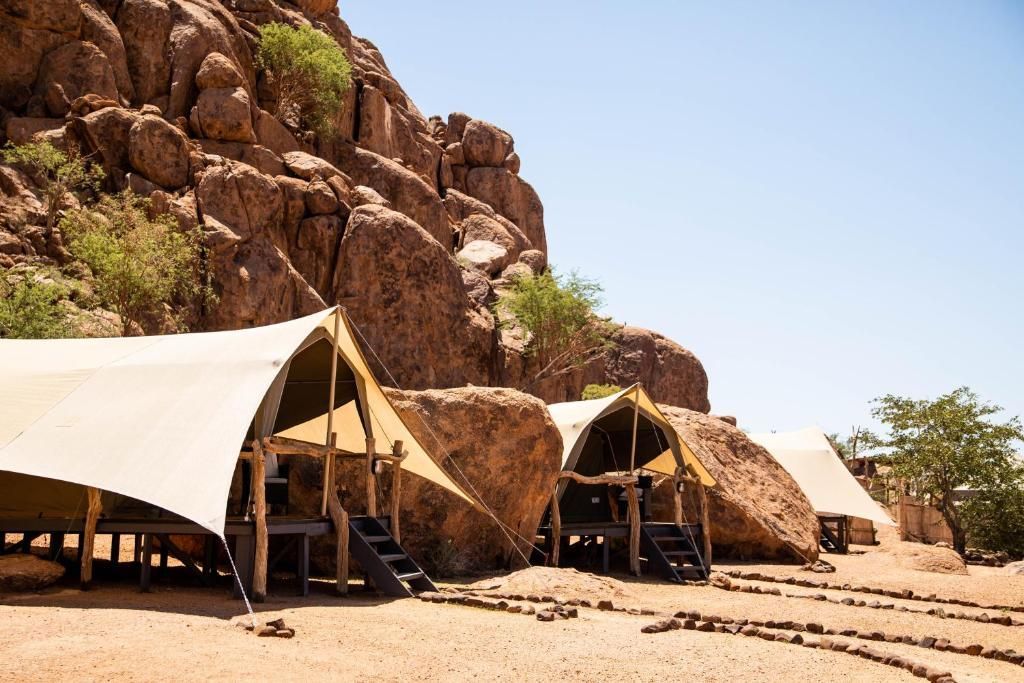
{"type": "Point", "coordinates": [634, 529]}
{"type": "Point", "coordinates": [92, 516]}
{"type": "Point", "coordinates": [340, 519]}
{"type": "Point", "coordinates": [677, 496]}
{"type": "Point", "coordinates": [556, 529]}
{"type": "Point", "coordinates": [371, 478]}
{"type": "Point", "coordinates": [259, 488]}
{"type": "Point", "coordinates": [705, 521]}
{"type": "Point", "coordinates": [330, 437]}
{"type": "Point", "coordinates": [396, 491]}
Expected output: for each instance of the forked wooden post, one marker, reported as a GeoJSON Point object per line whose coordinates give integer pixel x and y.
{"type": "Point", "coordinates": [371, 478]}
{"type": "Point", "coordinates": [705, 521]}
{"type": "Point", "coordinates": [396, 491]}
{"type": "Point", "coordinates": [259, 488]}
{"type": "Point", "coordinates": [634, 528]}
{"type": "Point", "coordinates": [92, 516]}
{"type": "Point", "coordinates": [556, 528]}
{"type": "Point", "coordinates": [677, 483]}
{"type": "Point", "coordinates": [340, 519]}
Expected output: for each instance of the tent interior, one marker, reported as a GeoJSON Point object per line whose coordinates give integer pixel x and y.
{"type": "Point", "coordinates": [295, 406]}
{"type": "Point", "coordinates": [607, 449]}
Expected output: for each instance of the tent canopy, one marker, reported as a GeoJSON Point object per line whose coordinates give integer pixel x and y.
{"type": "Point", "coordinates": [809, 458]}
{"type": "Point", "coordinates": [576, 419]}
{"type": "Point", "coordinates": [161, 419]}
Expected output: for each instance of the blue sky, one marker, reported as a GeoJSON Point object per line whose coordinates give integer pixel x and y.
{"type": "Point", "coordinates": [823, 201]}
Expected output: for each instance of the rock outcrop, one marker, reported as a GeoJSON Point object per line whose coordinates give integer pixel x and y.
{"type": "Point", "coordinates": [501, 440]}
{"type": "Point", "coordinates": [22, 573]}
{"type": "Point", "coordinates": [757, 510]}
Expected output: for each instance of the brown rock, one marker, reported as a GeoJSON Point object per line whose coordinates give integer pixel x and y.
{"type": "Point", "coordinates": [241, 198]}
{"type": "Point", "coordinates": [535, 259]}
{"type": "Point", "coordinates": [257, 156]}
{"type": "Point", "coordinates": [272, 134]}
{"type": "Point", "coordinates": [512, 163]}
{"type": "Point", "coordinates": [313, 254]}
{"type": "Point", "coordinates": [309, 167]}
{"type": "Point", "coordinates": [79, 68]}
{"type": "Point", "coordinates": [217, 71]}
{"type": "Point", "coordinates": [20, 129]}
{"type": "Point", "coordinates": [484, 144]}
{"type": "Point", "coordinates": [486, 257]}
{"type": "Point", "coordinates": [362, 195]}
{"type": "Point", "coordinates": [481, 227]}
{"type": "Point", "coordinates": [513, 198]}
{"type": "Point", "coordinates": [159, 151]}
{"type": "Point", "coordinates": [98, 28]}
{"type": "Point", "coordinates": [223, 114]}
{"type": "Point", "coordinates": [105, 134]}
{"type": "Point", "coordinates": [19, 573]}
{"type": "Point", "coordinates": [320, 198]}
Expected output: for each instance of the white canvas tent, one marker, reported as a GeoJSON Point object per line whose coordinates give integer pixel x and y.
{"type": "Point", "coordinates": [161, 419]}
{"type": "Point", "coordinates": [576, 419]}
{"type": "Point", "coordinates": [809, 458]}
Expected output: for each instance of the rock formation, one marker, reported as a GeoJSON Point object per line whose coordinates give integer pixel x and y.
{"type": "Point", "coordinates": [756, 509]}
{"type": "Point", "coordinates": [23, 573]}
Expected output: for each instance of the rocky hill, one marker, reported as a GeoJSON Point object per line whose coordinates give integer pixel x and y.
{"type": "Point", "coordinates": [413, 224]}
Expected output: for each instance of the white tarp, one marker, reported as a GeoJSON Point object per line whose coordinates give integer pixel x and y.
{"type": "Point", "coordinates": [161, 419]}
{"type": "Point", "coordinates": [574, 419]}
{"type": "Point", "coordinates": [809, 458]}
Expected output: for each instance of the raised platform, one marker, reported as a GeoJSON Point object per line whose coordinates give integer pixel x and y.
{"type": "Point", "coordinates": [239, 532]}
{"type": "Point", "coordinates": [609, 529]}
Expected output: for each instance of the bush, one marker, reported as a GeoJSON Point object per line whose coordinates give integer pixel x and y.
{"type": "Point", "coordinates": [139, 264]}
{"type": "Point", "coordinates": [30, 309]}
{"type": "Point", "coordinates": [994, 518]}
{"type": "Point", "coordinates": [558, 313]}
{"type": "Point", "coordinates": [592, 391]}
{"type": "Point", "coordinates": [57, 171]}
{"type": "Point", "coordinates": [309, 71]}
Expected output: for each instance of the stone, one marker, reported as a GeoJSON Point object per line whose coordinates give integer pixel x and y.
{"type": "Point", "coordinates": [272, 134]}
{"type": "Point", "coordinates": [24, 573]}
{"type": "Point", "coordinates": [512, 163]}
{"type": "Point", "coordinates": [257, 156]}
{"type": "Point", "coordinates": [605, 605]}
{"type": "Point", "coordinates": [309, 167]}
{"type": "Point", "coordinates": [320, 198]}
{"type": "Point", "coordinates": [535, 259]}
{"type": "Point", "coordinates": [487, 257]}
{"type": "Point", "coordinates": [512, 197]}
{"type": "Point", "coordinates": [285, 633]}
{"type": "Point", "coordinates": [545, 615]}
{"type": "Point", "coordinates": [159, 151]}
{"type": "Point", "coordinates": [484, 144]}
{"type": "Point", "coordinates": [223, 114]}
{"type": "Point", "coordinates": [105, 135]}
{"type": "Point", "coordinates": [241, 198]}
{"type": "Point", "coordinates": [20, 129]}
{"type": "Point", "coordinates": [706, 626]}
{"type": "Point", "coordinates": [363, 195]}
{"type": "Point", "coordinates": [482, 227]}
{"type": "Point", "coordinates": [267, 632]}
{"type": "Point", "coordinates": [217, 71]}
{"type": "Point", "coordinates": [79, 68]}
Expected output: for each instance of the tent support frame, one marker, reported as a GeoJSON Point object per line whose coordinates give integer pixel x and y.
{"type": "Point", "coordinates": [629, 482]}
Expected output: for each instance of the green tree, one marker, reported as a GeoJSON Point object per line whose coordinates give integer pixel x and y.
{"type": "Point", "coordinates": [857, 445]}
{"type": "Point", "coordinates": [30, 309]}
{"type": "Point", "coordinates": [994, 517]}
{"type": "Point", "coordinates": [57, 171]}
{"type": "Point", "coordinates": [558, 314]}
{"type": "Point", "coordinates": [950, 443]}
{"type": "Point", "coordinates": [592, 391]}
{"type": "Point", "coordinates": [309, 72]}
{"type": "Point", "coordinates": [139, 263]}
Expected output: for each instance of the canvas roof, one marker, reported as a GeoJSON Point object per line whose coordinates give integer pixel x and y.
{"type": "Point", "coordinates": [161, 419]}
{"type": "Point", "coordinates": [809, 458]}
{"type": "Point", "coordinates": [575, 418]}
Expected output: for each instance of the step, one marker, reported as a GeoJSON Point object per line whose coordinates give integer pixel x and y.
{"type": "Point", "coordinates": [410, 576]}
{"type": "Point", "coordinates": [393, 557]}
{"type": "Point", "coordinates": [678, 553]}
{"type": "Point", "coordinates": [377, 539]}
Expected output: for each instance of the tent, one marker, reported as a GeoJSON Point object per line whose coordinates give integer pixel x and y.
{"type": "Point", "coordinates": [597, 437]}
{"type": "Point", "coordinates": [162, 419]}
{"type": "Point", "coordinates": [810, 459]}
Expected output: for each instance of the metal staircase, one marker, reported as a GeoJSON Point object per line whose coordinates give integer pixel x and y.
{"type": "Point", "coordinates": [673, 552]}
{"type": "Point", "coordinates": [384, 560]}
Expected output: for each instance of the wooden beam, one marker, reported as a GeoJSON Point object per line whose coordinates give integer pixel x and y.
{"type": "Point", "coordinates": [330, 438]}
{"type": "Point", "coordinates": [634, 529]}
{"type": "Point", "coordinates": [340, 519]}
{"type": "Point", "coordinates": [371, 479]}
{"type": "Point", "coordinates": [396, 490]}
{"type": "Point", "coordinates": [259, 487]}
{"type": "Point", "coordinates": [677, 496]}
{"type": "Point", "coordinates": [636, 418]}
{"type": "Point", "coordinates": [92, 516]}
{"type": "Point", "coordinates": [617, 480]}
{"type": "Point", "coordinates": [556, 529]}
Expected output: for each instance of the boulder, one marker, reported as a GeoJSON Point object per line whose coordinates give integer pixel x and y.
{"type": "Point", "coordinates": [535, 259]}
{"type": "Point", "coordinates": [28, 31]}
{"type": "Point", "coordinates": [513, 475]}
{"type": "Point", "coordinates": [257, 156]}
{"type": "Point", "coordinates": [394, 132]}
{"type": "Point", "coordinates": [217, 71]}
{"type": "Point", "coordinates": [484, 144]}
{"type": "Point", "coordinates": [362, 195]}
{"type": "Point", "coordinates": [145, 28]}
{"type": "Point", "coordinates": [513, 198]}
{"type": "Point", "coordinates": [78, 68]}
{"type": "Point", "coordinates": [19, 573]}
{"type": "Point", "coordinates": [105, 134]}
{"type": "Point", "coordinates": [508, 236]}
{"type": "Point", "coordinates": [309, 167]}
{"type": "Point", "coordinates": [405, 293]}
{"type": "Point", "coordinates": [241, 198]}
{"type": "Point", "coordinates": [223, 114]}
{"type": "Point", "coordinates": [159, 151]}
{"type": "Point", "coordinates": [272, 134]}
{"type": "Point", "coordinates": [756, 509]}
{"type": "Point", "coordinates": [320, 198]}
{"type": "Point", "coordinates": [487, 257]}
{"type": "Point", "coordinates": [315, 248]}
{"type": "Point", "coordinates": [99, 29]}
{"type": "Point", "coordinates": [22, 129]}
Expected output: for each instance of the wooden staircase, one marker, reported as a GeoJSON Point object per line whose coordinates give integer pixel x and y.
{"type": "Point", "coordinates": [384, 560]}
{"type": "Point", "coordinates": [673, 552]}
{"type": "Point", "coordinates": [834, 537]}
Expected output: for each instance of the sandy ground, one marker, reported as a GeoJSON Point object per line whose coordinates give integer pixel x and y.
{"type": "Point", "coordinates": [182, 631]}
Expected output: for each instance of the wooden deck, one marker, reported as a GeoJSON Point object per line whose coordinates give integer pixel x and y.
{"type": "Point", "coordinates": [240, 534]}
{"type": "Point", "coordinates": [603, 530]}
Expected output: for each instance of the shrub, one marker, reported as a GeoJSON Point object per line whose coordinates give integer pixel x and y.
{"type": "Point", "coordinates": [30, 309]}
{"type": "Point", "coordinates": [309, 72]}
{"type": "Point", "coordinates": [139, 264]}
{"type": "Point", "coordinates": [592, 391]}
{"type": "Point", "coordinates": [994, 517]}
{"type": "Point", "coordinates": [558, 313]}
{"type": "Point", "coordinates": [57, 171]}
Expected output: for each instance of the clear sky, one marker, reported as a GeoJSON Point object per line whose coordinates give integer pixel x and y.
{"type": "Point", "coordinates": [823, 201]}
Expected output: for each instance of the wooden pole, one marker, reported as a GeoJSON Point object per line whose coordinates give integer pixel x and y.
{"type": "Point", "coordinates": [371, 478]}
{"type": "Point", "coordinates": [705, 521]}
{"type": "Point", "coordinates": [328, 482]}
{"type": "Point", "coordinates": [259, 487]}
{"type": "Point", "coordinates": [556, 529]}
{"type": "Point", "coordinates": [396, 492]}
{"type": "Point", "coordinates": [677, 481]}
{"type": "Point", "coordinates": [340, 519]}
{"type": "Point", "coordinates": [92, 516]}
{"type": "Point", "coordinates": [636, 418]}
{"type": "Point", "coordinates": [634, 529]}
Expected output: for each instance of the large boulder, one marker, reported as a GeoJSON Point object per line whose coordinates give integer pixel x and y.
{"type": "Point", "coordinates": [145, 27]}
{"type": "Point", "coordinates": [484, 144]}
{"type": "Point", "coordinates": [159, 151]}
{"type": "Point", "coordinates": [756, 509]}
{"type": "Point", "coordinates": [28, 31]}
{"type": "Point", "coordinates": [405, 293]}
{"type": "Point", "coordinates": [223, 114]}
{"type": "Point", "coordinates": [513, 198]}
{"type": "Point", "coordinates": [99, 29]}
{"type": "Point", "coordinates": [393, 132]}
{"type": "Point", "coordinates": [20, 573]}
{"type": "Point", "coordinates": [75, 69]}
{"type": "Point", "coordinates": [241, 198]}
